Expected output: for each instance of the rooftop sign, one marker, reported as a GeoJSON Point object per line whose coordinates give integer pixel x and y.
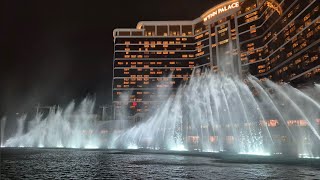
{"type": "Point", "coordinates": [220, 9]}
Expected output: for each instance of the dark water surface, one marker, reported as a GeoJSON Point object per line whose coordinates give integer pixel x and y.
{"type": "Point", "coordinates": [100, 164]}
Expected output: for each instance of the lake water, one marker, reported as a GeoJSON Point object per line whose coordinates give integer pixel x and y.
{"type": "Point", "coordinates": [17, 163]}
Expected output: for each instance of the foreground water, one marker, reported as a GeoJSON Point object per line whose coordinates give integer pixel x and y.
{"type": "Point", "coordinates": [99, 164]}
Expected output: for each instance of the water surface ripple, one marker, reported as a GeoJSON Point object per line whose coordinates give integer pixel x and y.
{"type": "Point", "coordinates": [100, 164]}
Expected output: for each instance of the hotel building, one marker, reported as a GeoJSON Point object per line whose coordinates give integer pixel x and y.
{"type": "Point", "coordinates": [275, 39]}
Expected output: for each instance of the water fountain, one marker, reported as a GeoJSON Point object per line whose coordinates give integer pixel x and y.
{"type": "Point", "coordinates": [214, 113]}
{"type": "Point", "coordinates": [211, 113]}
{"type": "Point", "coordinates": [3, 125]}
{"type": "Point", "coordinates": [68, 128]}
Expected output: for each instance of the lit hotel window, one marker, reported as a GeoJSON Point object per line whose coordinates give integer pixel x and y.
{"type": "Point", "coordinates": [252, 18]}
{"type": "Point", "coordinates": [297, 123]}
{"type": "Point", "coordinates": [199, 36]}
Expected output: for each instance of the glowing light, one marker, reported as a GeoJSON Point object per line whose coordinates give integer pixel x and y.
{"type": "Point", "coordinates": [40, 146]}
{"type": "Point", "coordinates": [132, 146]}
{"type": "Point", "coordinates": [90, 146]}
{"type": "Point", "coordinates": [256, 153]}
{"type": "Point", "coordinates": [308, 156]}
{"type": "Point", "coordinates": [210, 150]}
{"type": "Point", "coordinates": [60, 145]}
{"type": "Point", "coordinates": [134, 104]}
{"type": "Point", "coordinates": [179, 148]}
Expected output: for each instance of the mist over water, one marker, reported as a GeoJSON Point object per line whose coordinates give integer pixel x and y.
{"type": "Point", "coordinates": [211, 113]}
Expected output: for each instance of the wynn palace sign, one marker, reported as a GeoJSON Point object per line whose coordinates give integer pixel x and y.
{"type": "Point", "coordinates": [220, 9]}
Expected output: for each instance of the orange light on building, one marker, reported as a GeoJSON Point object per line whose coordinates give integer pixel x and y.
{"type": "Point", "coordinates": [193, 139]}
{"type": "Point", "coordinates": [275, 6]}
{"type": "Point", "coordinates": [273, 123]}
{"type": "Point", "coordinates": [270, 123]}
{"type": "Point", "coordinates": [213, 139]}
{"type": "Point", "coordinates": [300, 122]}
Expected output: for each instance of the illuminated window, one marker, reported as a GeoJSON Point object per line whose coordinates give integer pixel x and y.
{"type": "Point", "coordinates": [251, 19]}
{"type": "Point", "coordinates": [314, 58]}
{"type": "Point", "coordinates": [262, 71]}
{"type": "Point", "coordinates": [200, 54]}
{"type": "Point", "coordinates": [199, 36]}
{"type": "Point", "coordinates": [224, 41]}
{"type": "Point", "coordinates": [253, 29]}
{"type": "Point", "coordinates": [174, 30]}
{"type": "Point", "coordinates": [306, 17]}
{"type": "Point", "coordinates": [251, 14]}
{"type": "Point", "coordinates": [297, 61]}
{"type": "Point", "coordinates": [297, 123]}
{"type": "Point", "coordinates": [309, 34]}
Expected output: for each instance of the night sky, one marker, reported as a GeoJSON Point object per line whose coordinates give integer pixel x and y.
{"type": "Point", "coordinates": [55, 51]}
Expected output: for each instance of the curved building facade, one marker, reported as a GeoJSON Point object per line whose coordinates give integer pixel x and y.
{"type": "Point", "coordinates": [275, 39]}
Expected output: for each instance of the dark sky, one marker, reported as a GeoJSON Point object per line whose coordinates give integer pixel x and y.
{"type": "Point", "coordinates": [53, 51]}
